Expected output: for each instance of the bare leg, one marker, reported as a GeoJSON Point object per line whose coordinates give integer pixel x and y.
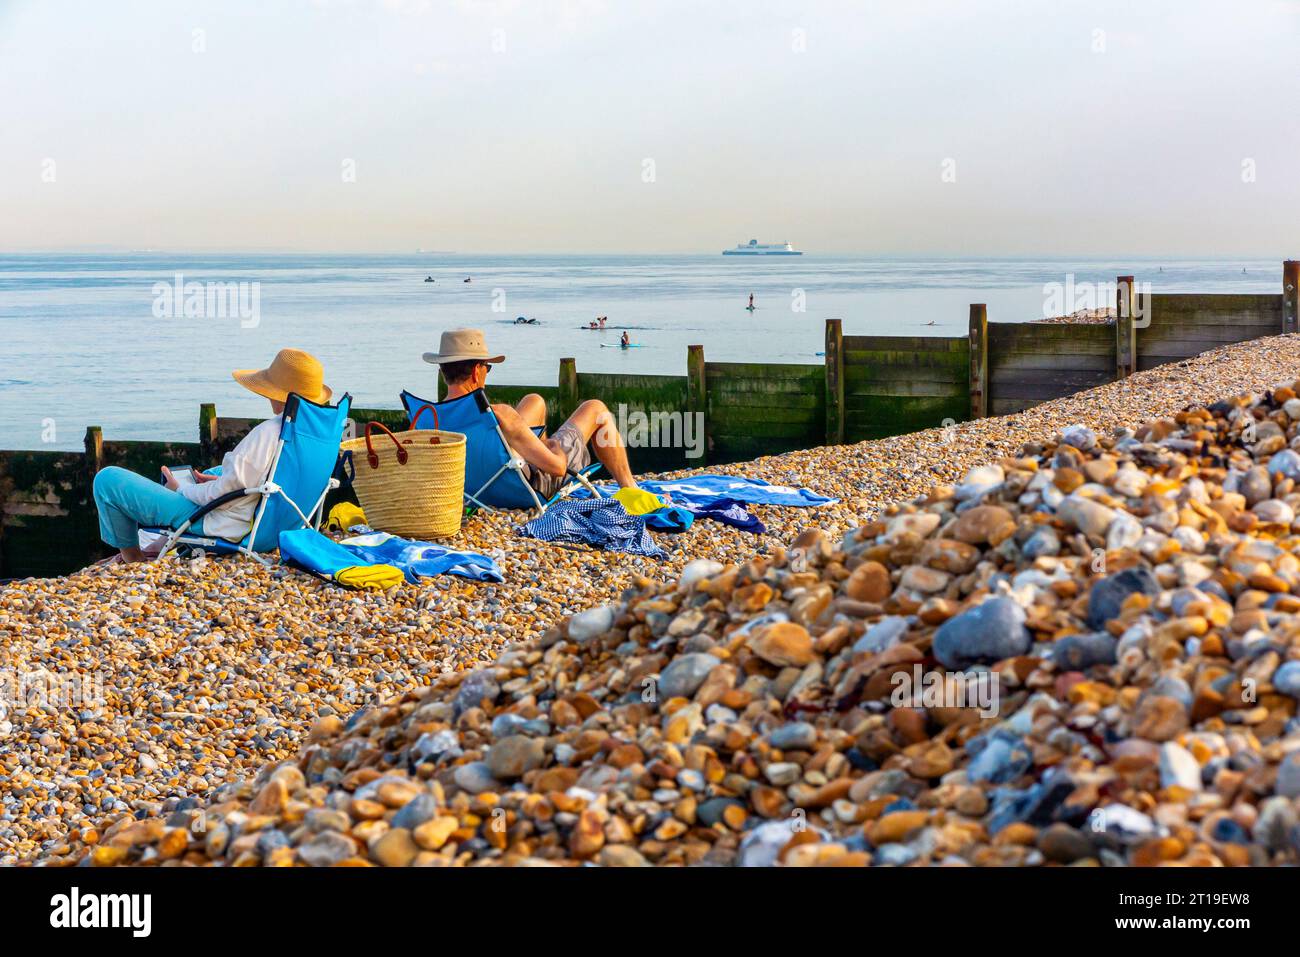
{"type": "Point", "coordinates": [595, 423]}
{"type": "Point", "coordinates": [532, 409]}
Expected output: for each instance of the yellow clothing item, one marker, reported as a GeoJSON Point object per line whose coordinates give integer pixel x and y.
{"type": "Point", "coordinates": [372, 577]}
{"type": "Point", "coordinates": [343, 516]}
{"type": "Point", "coordinates": [638, 501]}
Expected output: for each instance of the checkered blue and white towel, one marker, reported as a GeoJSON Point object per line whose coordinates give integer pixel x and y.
{"type": "Point", "coordinates": [602, 523]}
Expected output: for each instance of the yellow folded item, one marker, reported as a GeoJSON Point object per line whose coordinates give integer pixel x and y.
{"type": "Point", "coordinates": [343, 516]}
{"type": "Point", "coordinates": [372, 577]}
{"type": "Point", "coordinates": [638, 501]}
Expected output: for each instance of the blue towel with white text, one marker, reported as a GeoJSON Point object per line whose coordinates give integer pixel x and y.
{"type": "Point", "coordinates": [421, 559]}
{"type": "Point", "coordinates": [704, 489]}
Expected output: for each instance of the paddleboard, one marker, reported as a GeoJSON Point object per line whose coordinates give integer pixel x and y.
{"type": "Point", "coordinates": [615, 345]}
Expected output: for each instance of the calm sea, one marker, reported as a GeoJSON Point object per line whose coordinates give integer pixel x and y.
{"type": "Point", "coordinates": [101, 339]}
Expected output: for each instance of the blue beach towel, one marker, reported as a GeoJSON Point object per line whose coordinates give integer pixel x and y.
{"type": "Point", "coordinates": [313, 552]}
{"type": "Point", "coordinates": [704, 489]}
{"type": "Point", "coordinates": [421, 559]}
{"type": "Point", "coordinates": [729, 512]}
{"type": "Point", "coordinates": [602, 523]}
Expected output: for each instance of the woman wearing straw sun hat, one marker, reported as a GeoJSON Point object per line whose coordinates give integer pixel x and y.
{"type": "Point", "coordinates": [127, 501]}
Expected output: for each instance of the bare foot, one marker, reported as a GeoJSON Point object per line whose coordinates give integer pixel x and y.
{"type": "Point", "coordinates": [102, 565]}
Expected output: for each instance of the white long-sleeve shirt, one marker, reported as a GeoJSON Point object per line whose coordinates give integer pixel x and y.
{"type": "Point", "coordinates": [245, 466]}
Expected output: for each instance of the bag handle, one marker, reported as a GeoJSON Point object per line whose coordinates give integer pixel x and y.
{"type": "Point", "coordinates": [416, 414]}
{"type": "Point", "coordinates": [372, 456]}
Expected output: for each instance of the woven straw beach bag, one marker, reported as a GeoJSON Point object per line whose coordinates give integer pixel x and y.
{"type": "Point", "coordinates": [410, 483]}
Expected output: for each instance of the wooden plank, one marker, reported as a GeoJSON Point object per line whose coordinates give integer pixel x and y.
{"type": "Point", "coordinates": [1212, 301]}
{"type": "Point", "coordinates": [724, 416]}
{"type": "Point", "coordinates": [1182, 320]}
{"type": "Point", "coordinates": [904, 406]}
{"type": "Point", "coordinates": [568, 385]}
{"type": "Point", "coordinates": [1049, 335]}
{"type": "Point", "coordinates": [1010, 406]}
{"type": "Point", "coordinates": [1054, 375]}
{"type": "Point", "coordinates": [899, 373]}
{"type": "Point", "coordinates": [871, 418]}
{"type": "Point", "coordinates": [1216, 333]}
{"type": "Point", "coordinates": [999, 351]}
{"type": "Point", "coordinates": [1011, 364]}
{"type": "Point", "coordinates": [947, 363]}
{"type": "Point", "coordinates": [697, 398]}
{"type": "Point", "coordinates": [796, 433]}
{"type": "Point", "coordinates": [1042, 391]}
{"type": "Point", "coordinates": [1125, 333]}
{"type": "Point", "coordinates": [207, 426]}
{"type": "Point", "coordinates": [749, 390]}
{"type": "Point", "coordinates": [755, 370]}
{"type": "Point", "coordinates": [1290, 290]}
{"type": "Point", "coordinates": [905, 344]}
{"type": "Point", "coordinates": [938, 390]}
{"type": "Point", "coordinates": [834, 382]}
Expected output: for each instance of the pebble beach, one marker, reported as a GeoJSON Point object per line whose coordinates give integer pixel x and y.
{"type": "Point", "coordinates": [1122, 563]}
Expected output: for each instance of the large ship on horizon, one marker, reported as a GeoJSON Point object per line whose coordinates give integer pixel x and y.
{"type": "Point", "coordinates": [755, 248]}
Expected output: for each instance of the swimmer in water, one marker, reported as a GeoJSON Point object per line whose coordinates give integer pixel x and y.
{"type": "Point", "coordinates": [467, 279]}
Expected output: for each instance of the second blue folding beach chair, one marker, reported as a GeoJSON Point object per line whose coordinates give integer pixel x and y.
{"type": "Point", "coordinates": [495, 477]}
{"type": "Point", "coordinates": [300, 476]}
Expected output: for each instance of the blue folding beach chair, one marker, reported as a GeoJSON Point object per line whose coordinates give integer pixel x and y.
{"type": "Point", "coordinates": [495, 477]}
{"type": "Point", "coordinates": [293, 493]}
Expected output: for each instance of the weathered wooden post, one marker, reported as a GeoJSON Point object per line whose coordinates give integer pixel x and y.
{"type": "Point", "coordinates": [1125, 331]}
{"type": "Point", "coordinates": [834, 382]}
{"type": "Point", "coordinates": [568, 387]}
{"type": "Point", "coordinates": [94, 450]}
{"type": "Point", "coordinates": [94, 443]}
{"type": "Point", "coordinates": [207, 428]}
{"type": "Point", "coordinates": [697, 398]}
{"type": "Point", "coordinates": [979, 360]}
{"type": "Point", "coordinates": [1290, 289]}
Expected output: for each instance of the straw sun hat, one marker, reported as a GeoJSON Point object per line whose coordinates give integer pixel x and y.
{"type": "Point", "coordinates": [292, 370]}
{"type": "Point", "coordinates": [462, 345]}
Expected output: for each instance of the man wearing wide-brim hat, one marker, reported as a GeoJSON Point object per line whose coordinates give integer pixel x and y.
{"type": "Point", "coordinates": [127, 501]}
{"type": "Point", "coordinates": [465, 361]}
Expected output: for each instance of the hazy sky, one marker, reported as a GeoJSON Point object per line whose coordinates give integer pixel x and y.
{"type": "Point", "coordinates": [1105, 128]}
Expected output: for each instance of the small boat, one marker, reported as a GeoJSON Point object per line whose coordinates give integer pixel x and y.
{"type": "Point", "coordinates": [428, 279]}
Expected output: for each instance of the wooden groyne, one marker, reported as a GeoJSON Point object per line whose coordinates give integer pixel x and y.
{"type": "Point", "coordinates": [867, 387]}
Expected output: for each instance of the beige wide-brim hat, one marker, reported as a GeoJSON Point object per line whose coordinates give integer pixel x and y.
{"type": "Point", "coordinates": [461, 345]}
{"type": "Point", "coordinates": [292, 370]}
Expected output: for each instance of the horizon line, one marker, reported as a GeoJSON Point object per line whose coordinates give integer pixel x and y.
{"type": "Point", "coordinates": [939, 256]}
